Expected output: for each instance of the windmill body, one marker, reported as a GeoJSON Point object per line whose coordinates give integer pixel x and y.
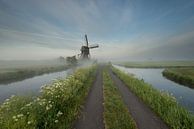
{"type": "Point", "coordinates": [85, 50]}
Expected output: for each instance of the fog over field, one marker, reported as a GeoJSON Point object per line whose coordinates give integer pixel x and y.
{"type": "Point", "coordinates": [124, 29]}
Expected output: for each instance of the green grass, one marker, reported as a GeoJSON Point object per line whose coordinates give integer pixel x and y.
{"type": "Point", "coordinates": [163, 104]}
{"type": "Point", "coordinates": [57, 106]}
{"type": "Point", "coordinates": [11, 75]}
{"type": "Point", "coordinates": [116, 114]}
{"type": "Point", "coordinates": [157, 64]}
{"type": "Point", "coordinates": [184, 76]}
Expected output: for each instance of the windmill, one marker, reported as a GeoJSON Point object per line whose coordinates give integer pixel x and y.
{"type": "Point", "coordinates": [85, 50]}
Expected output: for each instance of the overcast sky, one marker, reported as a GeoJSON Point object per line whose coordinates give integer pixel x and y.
{"type": "Point", "coordinates": [124, 29]}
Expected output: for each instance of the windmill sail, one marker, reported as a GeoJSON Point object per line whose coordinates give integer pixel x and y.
{"type": "Point", "coordinates": [94, 46]}
{"type": "Point", "coordinates": [86, 40]}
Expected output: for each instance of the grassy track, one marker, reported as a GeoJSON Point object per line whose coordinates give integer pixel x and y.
{"type": "Point", "coordinates": [162, 103]}
{"type": "Point", "coordinates": [183, 76]}
{"type": "Point", "coordinates": [157, 64]}
{"type": "Point", "coordinates": [56, 107]}
{"type": "Point", "coordinates": [116, 114]}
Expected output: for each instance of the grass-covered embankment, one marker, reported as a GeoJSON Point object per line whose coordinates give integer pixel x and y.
{"type": "Point", "coordinates": [156, 64]}
{"type": "Point", "coordinates": [116, 114]}
{"type": "Point", "coordinates": [184, 76]}
{"type": "Point", "coordinates": [12, 75]}
{"type": "Point", "coordinates": [56, 107]}
{"type": "Point", "coordinates": [164, 105]}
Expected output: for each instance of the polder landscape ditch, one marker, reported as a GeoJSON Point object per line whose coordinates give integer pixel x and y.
{"type": "Point", "coordinates": [60, 104]}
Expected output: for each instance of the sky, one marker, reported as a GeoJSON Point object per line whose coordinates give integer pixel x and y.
{"type": "Point", "coordinates": [124, 29]}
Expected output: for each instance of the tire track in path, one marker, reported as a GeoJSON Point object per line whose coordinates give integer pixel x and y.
{"type": "Point", "coordinates": [92, 113]}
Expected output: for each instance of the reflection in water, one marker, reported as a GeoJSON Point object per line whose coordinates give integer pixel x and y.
{"type": "Point", "coordinates": [29, 86]}
{"type": "Point", "coordinates": [184, 95]}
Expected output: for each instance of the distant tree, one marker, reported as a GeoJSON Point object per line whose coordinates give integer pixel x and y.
{"type": "Point", "coordinates": [71, 60]}
{"type": "Point", "coordinates": [61, 59]}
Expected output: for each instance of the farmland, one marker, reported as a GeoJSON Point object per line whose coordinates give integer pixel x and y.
{"type": "Point", "coordinates": [183, 76]}
{"type": "Point", "coordinates": [11, 71]}
{"type": "Point", "coordinates": [156, 64]}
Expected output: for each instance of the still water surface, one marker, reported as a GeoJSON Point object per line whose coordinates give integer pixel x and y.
{"type": "Point", "coordinates": [29, 86]}
{"type": "Point", "coordinates": [183, 94]}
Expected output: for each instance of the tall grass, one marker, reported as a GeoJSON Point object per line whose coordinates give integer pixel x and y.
{"type": "Point", "coordinates": [56, 107]}
{"type": "Point", "coordinates": [116, 114]}
{"type": "Point", "coordinates": [177, 76]}
{"type": "Point", "coordinates": [162, 103]}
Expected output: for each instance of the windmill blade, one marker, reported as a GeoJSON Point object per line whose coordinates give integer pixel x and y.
{"type": "Point", "coordinates": [94, 46]}
{"type": "Point", "coordinates": [86, 40]}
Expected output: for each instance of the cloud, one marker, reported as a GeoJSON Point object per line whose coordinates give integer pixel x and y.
{"type": "Point", "coordinates": [124, 29]}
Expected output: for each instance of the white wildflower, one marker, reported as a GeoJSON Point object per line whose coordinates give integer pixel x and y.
{"type": "Point", "coordinates": [12, 96]}
{"type": "Point", "coordinates": [20, 115]}
{"type": "Point", "coordinates": [47, 108]}
{"type": "Point", "coordinates": [56, 121]}
{"type": "Point", "coordinates": [59, 113]}
{"type": "Point", "coordinates": [29, 122]}
{"type": "Point", "coordinates": [38, 99]}
{"type": "Point", "coordinates": [29, 104]}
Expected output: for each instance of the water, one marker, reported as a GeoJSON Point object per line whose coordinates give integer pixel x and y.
{"type": "Point", "coordinates": [183, 94]}
{"type": "Point", "coordinates": [29, 86]}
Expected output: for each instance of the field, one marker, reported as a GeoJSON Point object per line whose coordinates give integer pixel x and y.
{"type": "Point", "coordinates": [11, 71]}
{"type": "Point", "coordinates": [157, 64]}
{"type": "Point", "coordinates": [184, 76]}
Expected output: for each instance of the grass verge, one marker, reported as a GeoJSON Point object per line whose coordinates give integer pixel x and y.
{"type": "Point", "coordinates": [116, 114]}
{"type": "Point", "coordinates": [161, 103]}
{"type": "Point", "coordinates": [56, 107]}
{"type": "Point", "coordinates": [184, 76]}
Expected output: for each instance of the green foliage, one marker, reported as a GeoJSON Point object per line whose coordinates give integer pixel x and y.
{"type": "Point", "coordinates": [162, 103]}
{"type": "Point", "coordinates": [182, 76]}
{"type": "Point", "coordinates": [56, 107]}
{"type": "Point", "coordinates": [116, 114]}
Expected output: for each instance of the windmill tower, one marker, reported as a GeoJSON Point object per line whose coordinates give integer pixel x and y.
{"type": "Point", "coordinates": [85, 50]}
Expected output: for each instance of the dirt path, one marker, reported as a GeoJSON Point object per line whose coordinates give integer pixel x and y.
{"type": "Point", "coordinates": [144, 117]}
{"type": "Point", "coordinates": [92, 114]}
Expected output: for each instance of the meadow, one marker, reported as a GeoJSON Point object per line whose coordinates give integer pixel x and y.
{"type": "Point", "coordinates": [57, 106]}
{"type": "Point", "coordinates": [184, 76]}
{"type": "Point", "coordinates": [11, 71]}
{"type": "Point", "coordinates": [162, 103]}
{"type": "Point", "coordinates": [156, 64]}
